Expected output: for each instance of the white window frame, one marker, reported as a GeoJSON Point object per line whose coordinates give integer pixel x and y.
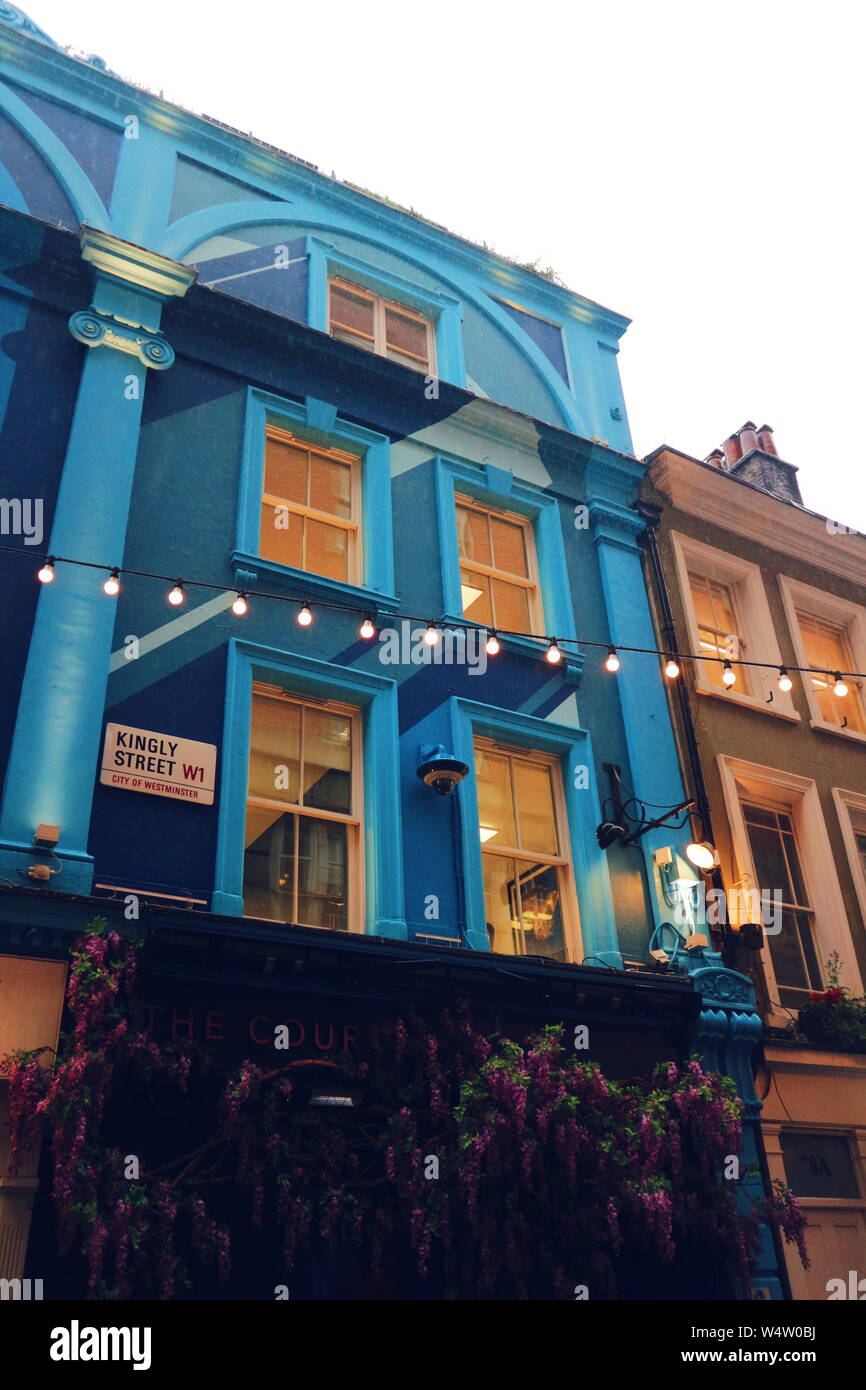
{"type": "Point", "coordinates": [351, 525]}
{"type": "Point", "coordinates": [800, 797]}
{"type": "Point", "coordinates": [850, 616]}
{"type": "Point", "coordinates": [561, 862]}
{"type": "Point", "coordinates": [381, 302]}
{"type": "Point", "coordinates": [530, 583]}
{"type": "Point", "coordinates": [744, 578]}
{"type": "Point", "coordinates": [354, 820]}
{"type": "Point", "coordinates": [846, 802]}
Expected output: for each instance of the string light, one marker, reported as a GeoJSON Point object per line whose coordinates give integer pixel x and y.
{"type": "Point", "coordinates": [493, 645]}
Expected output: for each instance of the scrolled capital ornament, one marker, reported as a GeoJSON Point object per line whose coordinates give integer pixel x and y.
{"type": "Point", "coordinates": [96, 329]}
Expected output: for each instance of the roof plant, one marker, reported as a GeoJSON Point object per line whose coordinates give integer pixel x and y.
{"type": "Point", "coordinates": [501, 1168]}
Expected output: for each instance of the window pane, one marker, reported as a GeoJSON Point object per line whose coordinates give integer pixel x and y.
{"type": "Point", "coordinates": [327, 760]}
{"type": "Point", "coordinates": [274, 749]}
{"type": "Point", "coordinates": [523, 908]}
{"type": "Point", "coordinates": [534, 796]}
{"type": "Point", "coordinates": [827, 647]}
{"type": "Point", "coordinates": [794, 868]}
{"type": "Point", "coordinates": [804, 925]}
{"type": "Point", "coordinates": [509, 547]}
{"type": "Point", "coordinates": [756, 815]}
{"type": "Point", "coordinates": [286, 472]}
{"type": "Point", "coordinates": [322, 875]}
{"type": "Point", "coordinates": [495, 809]}
{"type": "Point", "coordinates": [475, 592]}
{"type": "Point", "coordinates": [500, 906]}
{"type": "Point", "coordinates": [327, 550]}
{"type": "Point", "coordinates": [353, 312]}
{"type": "Point", "coordinates": [788, 962]}
{"type": "Point", "coordinates": [771, 866]}
{"type": "Point", "coordinates": [269, 864]}
{"type": "Point", "coordinates": [473, 540]}
{"type": "Point", "coordinates": [540, 899]}
{"type": "Point", "coordinates": [330, 486]}
{"type": "Point", "coordinates": [282, 536]}
{"type": "Point", "coordinates": [719, 630]}
{"type": "Point", "coordinates": [510, 606]}
{"type": "Point", "coordinates": [406, 336]}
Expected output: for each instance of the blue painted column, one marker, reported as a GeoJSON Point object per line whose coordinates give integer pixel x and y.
{"type": "Point", "coordinates": [612, 481]}
{"type": "Point", "coordinates": [727, 1033]}
{"type": "Point", "coordinates": [55, 750]}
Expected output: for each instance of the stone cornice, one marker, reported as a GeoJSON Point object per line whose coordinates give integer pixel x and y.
{"type": "Point", "coordinates": [17, 19]}
{"type": "Point", "coordinates": [738, 507]}
{"type": "Point", "coordinates": [134, 266]}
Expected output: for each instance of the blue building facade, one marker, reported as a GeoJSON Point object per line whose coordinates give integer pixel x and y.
{"type": "Point", "coordinates": [225, 374]}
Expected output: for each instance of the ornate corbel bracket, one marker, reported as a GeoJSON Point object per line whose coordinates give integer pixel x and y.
{"type": "Point", "coordinates": [96, 329]}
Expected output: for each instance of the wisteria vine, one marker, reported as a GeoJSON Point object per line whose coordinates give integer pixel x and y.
{"type": "Point", "coordinates": [502, 1168]}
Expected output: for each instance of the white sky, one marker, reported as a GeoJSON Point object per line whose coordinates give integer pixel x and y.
{"type": "Point", "coordinates": [697, 168]}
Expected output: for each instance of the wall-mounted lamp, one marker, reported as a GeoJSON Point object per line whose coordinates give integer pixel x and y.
{"type": "Point", "coordinates": [703, 855]}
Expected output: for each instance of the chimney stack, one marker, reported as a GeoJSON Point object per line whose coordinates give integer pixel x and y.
{"type": "Point", "coordinates": [750, 454]}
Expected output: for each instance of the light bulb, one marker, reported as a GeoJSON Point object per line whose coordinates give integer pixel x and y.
{"type": "Point", "coordinates": [785, 682]}
{"type": "Point", "coordinates": [493, 645]}
{"type": "Point", "coordinates": [431, 636]}
{"type": "Point", "coordinates": [112, 584]}
{"type": "Point", "coordinates": [613, 662]}
{"type": "Point", "coordinates": [46, 574]}
{"type": "Point", "coordinates": [702, 854]}
{"type": "Point", "coordinates": [729, 675]}
{"type": "Point", "coordinates": [839, 687]}
{"type": "Point", "coordinates": [553, 653]}
{"type": "Point", "coordinates": [305, 617]}
{"type": "Point", "coordinates": [367, 628]}
{"type": "Point", "coordinates": [672, 669]}
{"type": "Point", "coordinates": [240, 605]}
{"type": "Point", "coordinates": [177, 595]}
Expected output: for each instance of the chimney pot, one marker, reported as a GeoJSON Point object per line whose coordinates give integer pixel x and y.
{"type": "Point", "coordinates": [716, 458]}
{"type": "Point", "coordinates": [765, 440]}
{"type": "Point", "coordinates": [732, 451]}
{"type": "Point", "coordinates": [748, 436]}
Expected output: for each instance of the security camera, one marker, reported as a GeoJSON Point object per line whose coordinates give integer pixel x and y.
{"type": "Point", "coordinates": [439, 770]}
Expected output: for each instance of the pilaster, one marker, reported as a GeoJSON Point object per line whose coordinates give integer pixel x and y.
{"type": "Point", "coordinates": [727, 1033]}
{"type": "Point", "coordinates": [52, 764]}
